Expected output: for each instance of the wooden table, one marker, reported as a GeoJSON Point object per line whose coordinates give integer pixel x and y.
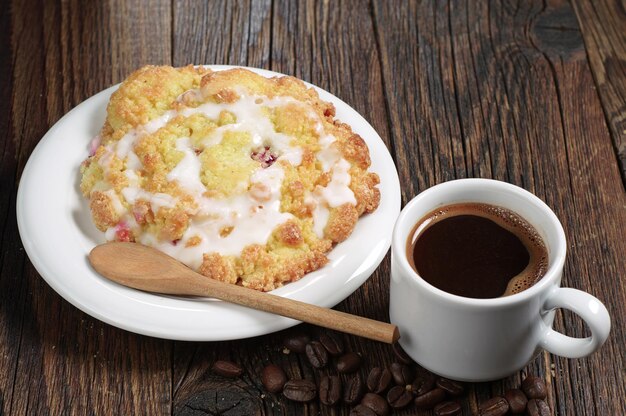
{"type": "Point", "coordinates": [532, 93]}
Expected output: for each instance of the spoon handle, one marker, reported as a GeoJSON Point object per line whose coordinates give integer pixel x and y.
{"type": "Point", "coordinates": [305, 312]}
{"type": "Point", "coordinates": [148, 269]}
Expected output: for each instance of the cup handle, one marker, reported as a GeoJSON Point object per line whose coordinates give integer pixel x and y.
{"type": "Point", "coordinates": [590, 309]}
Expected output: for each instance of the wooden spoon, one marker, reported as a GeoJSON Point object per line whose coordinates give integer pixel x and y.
{"type": "Point", "coordinates": [148, 269]}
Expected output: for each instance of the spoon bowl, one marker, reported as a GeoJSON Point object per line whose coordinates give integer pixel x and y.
{"type": "Point", "coordinates": [145, 268]}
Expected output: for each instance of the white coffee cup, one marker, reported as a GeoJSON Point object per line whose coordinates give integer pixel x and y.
{"type": "Point", "coordinates": [486, 339]}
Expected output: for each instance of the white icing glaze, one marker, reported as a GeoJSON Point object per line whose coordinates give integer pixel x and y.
{"type": "Point", "coordinates": [325, 139]}
{"type": "Point", "coordinates": [335, 194]}
{"type": "Point", "coordinates": [94, 144]}
{"type": "Point", "coordinates": [187, 171]}
{"type": "Point", "coordinates": [250, 117]}
{"type": "Point", "coordinates": [191, 96]}
{"type": "Point", "coordinates": [338, 191]}
{"type": "Point", "coordinates": [132, 162]}
{"type": "Point", "coordinates": [210, 110]}
{"type": "Point", "coordinates": [126, 144]}
{"type": "Point", "coordinates": [226, 226]}
{"type": "Point", "coordinates": [252, 222]}
{"type": "Point", "coordinates": [248, 111]}
{"type": "Point", "coordinates": [133, 178]}
{"type": "Point", "coordinates": [156, 123]}
{"type": "Point", "coordinates": [157, 200]}
{"type": "Point", "coordinates": [109, 234]}
{"type": "Point", "coordinates": [115, 201]}
{"type": "Point", "coordinates": [328, 156]}
{"type": "Point", "coordinates": [107, 157]}
{"type": "Point", "coordinates": [320, 213]}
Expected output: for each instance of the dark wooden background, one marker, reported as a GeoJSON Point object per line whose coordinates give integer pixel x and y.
{"type": "Point", "coordinates": [533, 93]}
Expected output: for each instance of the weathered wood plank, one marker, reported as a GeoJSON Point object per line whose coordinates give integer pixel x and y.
{"type": "Point", "coordinates": [503, 80]}
{"type": "Point", "coordinates": [222, 32]}
{"type": "Point", "coordinates": [597, 204]}
{"type": "Point", "coordinates": [13, 282]}
{"type": "Point", "coordinates": [60, 360]}
{"type": "Point", "coordinates": [334, 48]}
{"type": "Point", "coordinates": [456, 89]}
{"type": "Point", "coordinates": [230, 33]}
{"type": "Point", "coordinates": [603, 26]}
{"type": "Point", "coordinates": [11, 259]}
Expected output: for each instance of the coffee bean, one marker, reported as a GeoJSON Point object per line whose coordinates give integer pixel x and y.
{"type": "Point", "coordinates": [399, 397]}
{"type": "Point", "coordinates": [423, 383]}
{"type": "Point", "coordinates": [227, 369]}
{"type": "Point", "coordinates": [300, 390]}
{"type": "Point", "coordinates": [296, 343]}
{"type": "Point", "coordinates": [377, 403]}
{"type": "Point", "coordinates": [430, 399]}
{"type": "Point", "coordinates": [453, 388]}
{"type": "Point", "coordinates": [353, 390]}
{"type": "Point", "coordinates": [362, 410]}
{"type": "Point", "coordinates": [349, 362]}
{"type": "Point", "coordinates": [330, 390]}
{"type": "Point", "coordinates": [332, 343]}
{"type": "Point", "coordinates": [378, 380]}
{"type": "Point", "coordinates": [401, 373]}
{"type": "Point", "coordinates": [534, 388]}
{"type": "Point", "coordinates": [537, 407]}
{"type": "Point", "coordinates": [517, 400]}
{"type": "Point", "coordinates": [496, 406]}
{"type": "Point", "coordinates": [448, 409]}
{"type": "Point", "coordinates": [316, 353]}
{"type": "Point", "coordinates": [401, 355]}
{"type": "Point", "coordinates": [273, 378]}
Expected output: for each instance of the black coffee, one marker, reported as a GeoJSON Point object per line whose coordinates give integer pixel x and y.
{"type": "Point", "coordinates": [477, 251]}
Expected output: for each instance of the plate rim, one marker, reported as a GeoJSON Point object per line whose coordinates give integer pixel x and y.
{"type": "Point", "coordinates": [278, 323]}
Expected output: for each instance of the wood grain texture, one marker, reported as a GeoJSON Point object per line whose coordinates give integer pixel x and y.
{"type": "Point", "coordinates": [221, 32]}
{"type": "Point", "coordinates": [148, 269]}
{"type": "Point", "coordinates": [59, 360]}
{"type": "Point", "coordinates": [541, 81]}
{"type": "Point", "coordinates": [603, 27]}
{"type": "Point", "coordinates": [11, 259]}
{"type": "Point", "coordinates": [527, 92]}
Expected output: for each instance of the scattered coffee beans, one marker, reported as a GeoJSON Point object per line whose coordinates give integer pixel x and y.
{"type": "Point", "coordinates": [296, 343]}
{"type": "Point", "coordinates": [376, 403]}
{"type": "Point", "coordinates": [423, 383]}
{"type": "Point", "coordinates": [273, 378]}
{"type": "Point", "coordinates": [399, 397]}
{"type": "Point", "coordinates": [534, 388]}
{"type": "Point", "coordinates": [517, 400]}
{"type": "Point", "coordinates": [401, 355]}
{"type": "Point", "coordinates": [316, 353]}
{"type": "Point", "coordinates": [227, 369]}
{"type": "Point", "coordinates": [419, 385]}
{"type": "Point", "coordinates": [453, 388]}
{"type": "Point", "coordinates": [401, 373]}
{"type": "Point", "coordinates": [349, 362]}
{"type": "Point", "coordinates": [537, 407]}
{"type": "Point", "coordinates": [362, 410]}
{"type": "Point", "coordinates": [353, 390]}
{"type": "Point", "coordinates": [378, 380]}
{"type": "Point", "coordinates": [330, 390]}
{"type": "Point", "coordinates": [332, 343]}
{"type": "Point", "coordinates": [430, 399]}
{"type": "Point", "coordinates": [448, 409]}
{"type": "Point", "coordinates": [300, 390]}
{"type": "Point", "coordinates": [496, 406]}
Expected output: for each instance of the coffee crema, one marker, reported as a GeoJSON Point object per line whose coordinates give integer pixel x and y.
{"type": "Point", "coordinates": [477, 251]}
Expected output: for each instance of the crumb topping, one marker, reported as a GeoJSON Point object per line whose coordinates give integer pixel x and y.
{"type": "Point", "coordinates": [235, 173]}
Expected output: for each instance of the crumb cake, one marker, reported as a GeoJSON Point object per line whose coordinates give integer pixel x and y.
{"type": "Point", "coordinates": [247, 179]}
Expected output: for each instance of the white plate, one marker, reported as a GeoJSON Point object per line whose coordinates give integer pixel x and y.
{"type": "Point", "coordinates": [57, 233]}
